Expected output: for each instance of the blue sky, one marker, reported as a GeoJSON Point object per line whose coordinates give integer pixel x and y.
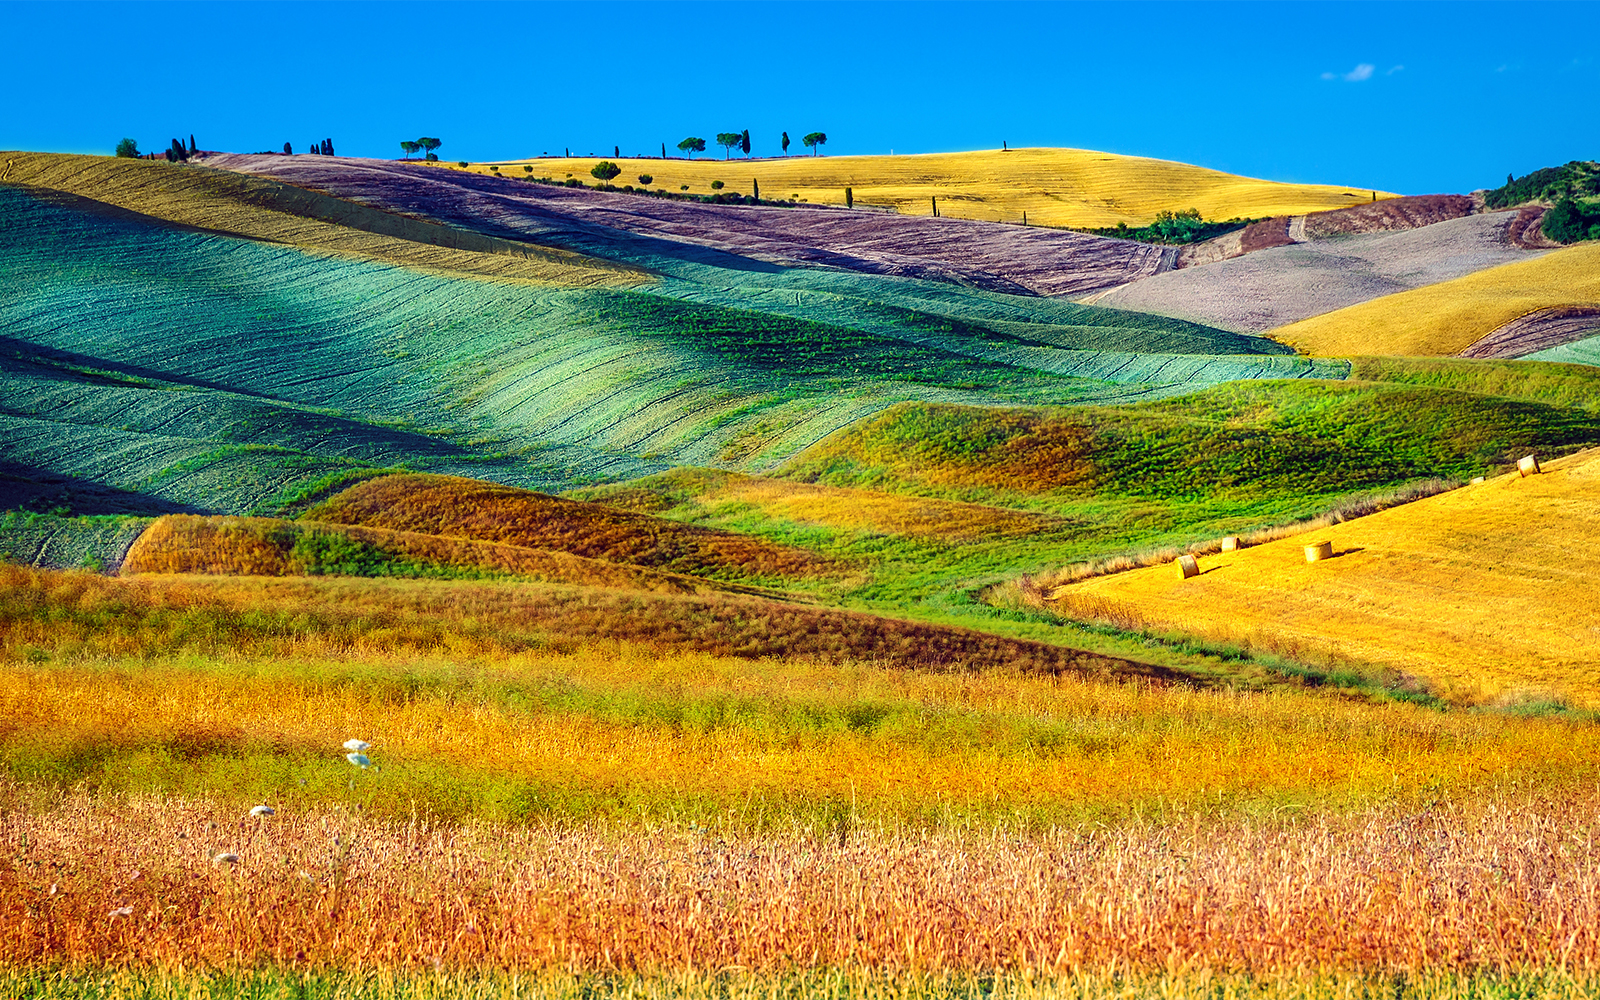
{"type": "Point", "coordinates": [1409, 97]}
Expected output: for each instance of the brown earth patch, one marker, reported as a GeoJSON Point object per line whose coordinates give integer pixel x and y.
{"type": "Point", "coordinates": [1272, 232]}
{"type": "Point", "coordinates": [1412, 212]}
{"type": "Point", "coordinates": [1538, 330]}
{"type": "Point", "coordinates": [1526, 230]}
{"type": "Point", "coordinates": [471, 508]}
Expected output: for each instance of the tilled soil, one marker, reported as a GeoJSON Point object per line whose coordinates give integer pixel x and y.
{"type": "Point", "coordinates": [1539, 330]}
{"type": "Point", "coordinates": [990, 256]}
{"type": "Point", "coordinates": [1282, 284]}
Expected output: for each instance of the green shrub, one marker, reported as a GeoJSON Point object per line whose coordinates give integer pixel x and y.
{"type": "Point", "coordinates": [1569, 223]}
{"type": "Point", "coordinates": [716, 185]}
{"type": "Point", "coordinates": [128, 148]}
{"type": "Point", "coordinates": [605, 170]}
{"type": "Point", "coordinates": [646, 178]}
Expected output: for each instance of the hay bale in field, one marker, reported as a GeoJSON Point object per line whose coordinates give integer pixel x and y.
{"type": "Point", "coordinates": [1319, 552]}
{"type": "Point", "coordinates": [1476, 480]}
{"type": "Point", "coordinates": [1528, 466]}
{"type": "Point", "coordinates": [1231, 544]}
{"type": "Point", "coordinates": [1188, 566]}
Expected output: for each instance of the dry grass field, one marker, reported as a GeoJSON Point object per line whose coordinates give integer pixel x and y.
{"type": "Point", "coordinates": [1489, 593]}
{"type": "Point", "coordinates": [264, 546]}
{"type": "Point", "coordinates": [1449, 317]}
{"type": "Point", "coordinates": [484, 511]}
{"type": "Point", "coordinates": [234, 204]}
{"type": "Point", "coordinates": [1506, 885]}
{"type": "Point", "coordinates": [1056, 187]}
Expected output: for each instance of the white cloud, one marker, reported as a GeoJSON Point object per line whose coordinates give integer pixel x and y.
{"type": "Point", "coordinates": [1361, 73]}
{"type": "Point", "coordinates": [1393, 70]}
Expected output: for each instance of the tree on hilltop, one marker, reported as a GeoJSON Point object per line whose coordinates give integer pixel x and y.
{"type": "Point", "coordinates": [409, 147]}
{"type": "Point", "coordinates": [744, 142]}
{"type": "Point", "coordinates": [129, 149]}
{"type": "Point", "coordinates": [815, 139]}
{"type": "Point", "coordinates": [785, 144]}
{"type": "Point", "coordinates": [288, 150]}
{"type": "Point", "coordinates": [728, 140]}
{"type": "Point", "coordinates": [692, 145]}
{"type": "Point", "coordinates": [605, 170]}
{"type": "Point", "coordinates": [430, 144]}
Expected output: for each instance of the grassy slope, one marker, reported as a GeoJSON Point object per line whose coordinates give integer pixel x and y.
{"type": "Point", "coordinates": [272, 369]}
{"type": "Point", "coordinates": [1449, 317]}
{"type": "Point", "coordinates": [935, 503]}
{"type": "Point", "coordinates": [1487, 592]}
{"type": "Point", "coordinates": [221, 201]}
{"type": "Point", "coordinates": [1056, 187]}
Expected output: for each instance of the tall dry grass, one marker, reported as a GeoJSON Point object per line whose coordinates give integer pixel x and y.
{"type": "Point", "coordinates": [1508, 884]}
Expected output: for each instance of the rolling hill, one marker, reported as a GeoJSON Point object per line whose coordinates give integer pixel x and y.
{"type": "Point", "coordinates": [1452, 316]}
{"type": "Point", "coordinates": [153, 368]}
{"type": "Point", "coordinates": [1486, 592]}
{"type": "Point", "coordinates": [1056, 187]}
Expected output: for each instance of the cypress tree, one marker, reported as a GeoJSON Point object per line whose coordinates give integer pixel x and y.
{"type": "Point", "coordinates": [192, 148]}
{"type": "Point", "coordinates": [849, 198]}
{"type": "Point", "coordinates": [663, 151]}
{"type": "Point", "coordinates": [935, 201]}
{"type": "Point", "coordinates": [755, 190]}
{"type": "Point", "coordinates": [745, 142]}
{"type": "Point", "coordinates": [616, 151]}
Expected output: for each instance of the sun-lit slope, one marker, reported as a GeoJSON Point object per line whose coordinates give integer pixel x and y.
{"type": "Point", "coordinates": [1490, 591]}
{"type": "Point", "coordinates": [1056, 187]}
{"type": "Point", "coordinates": [1284, 284]}
{"type": "Point", "coordinates": [261, 546]}
{"type": "Point", "coordinates": [1248, 439]}
{"type": "Point", "coordinates": [1449, 317]}
{"type": "Point", "coordinates": [226, 202]}
{"type": "Point", "coordinates": [202, 373]}
{"type": "Point", "coordinates": [1000, 258]}
{"type": "Point", "coordinates": [467, 508]}
{"type": "Point", "coordinates": [714, 494]}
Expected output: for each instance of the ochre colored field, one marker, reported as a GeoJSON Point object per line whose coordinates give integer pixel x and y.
{"type": "Point", "coordinates": [470, 508]}
{"type": "Point", "coordinates": [808, 504]}
{"type": "Point", "coordinates": [1056, 187]}
{"type": "Point", "coordinates": [263, 546]}
{"type": "Point", "coordinates": [1502, 887]}
{"type": "Point", "coordinates": [1488, 593]}
{"type": "Point", "coordinates": [239, 205]}
{"type": "Point", "coordinates": [1451, 316]}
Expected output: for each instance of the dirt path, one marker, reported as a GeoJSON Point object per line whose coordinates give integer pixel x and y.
{"type": "Point", "coordinates": [1537, 331]}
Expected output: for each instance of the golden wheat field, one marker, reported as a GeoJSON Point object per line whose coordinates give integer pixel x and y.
{"type": "Point", "coordinates": [1489, 593]}
{"type": "Point", "coordinates": [1055, 187]}
{"type": "Point", "coordinates": [1506, 883]}
{"type": "Point", "coordinates": [236, 204]}
{"type": "Point", "coordinates": [1449, 317]}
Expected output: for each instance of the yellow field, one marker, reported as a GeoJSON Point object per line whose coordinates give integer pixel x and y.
{"type": "Point", "coordinates": [1056, 187]}
{"type": "Point", "coordinates": [1488, 593]}
{"type": "Point", "coordinates": [1451, 316]}
{"type": "Point", "coordinates": [239, 205]}
{"type": "Point", "coordinates": [835, 507]}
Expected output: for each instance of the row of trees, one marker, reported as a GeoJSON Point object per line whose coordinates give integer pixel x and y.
{"type": "Point", "coordinates": [177, 152]}
{"type": "Point", "coordinates": [426, 144]}
{"type": "Point", "coordinates": [741, 139]}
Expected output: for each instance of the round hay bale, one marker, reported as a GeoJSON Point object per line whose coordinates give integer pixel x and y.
{"type": "Point", "coordinates": [1319, 552]}
{"type": "Point", "coordinates": [1231, 544]}
{"type": "Point", "coordinates": [1188, 566]}
{"type": "Point", "coordinates": [1528, 466]}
